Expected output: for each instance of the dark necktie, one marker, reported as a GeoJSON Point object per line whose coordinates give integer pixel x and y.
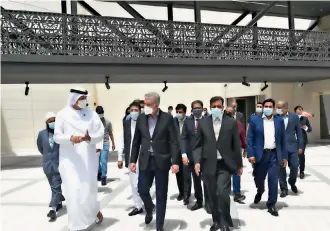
{"type": "Point", "coordinates": [196, 126]}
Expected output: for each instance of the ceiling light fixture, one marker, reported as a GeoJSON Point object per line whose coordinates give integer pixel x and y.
{"type": "Point", "coordinates": [107, 85]}
{"type": "Point", "coordinates": [264, 87]}
{"type": "Point", "coordinates": [244, 82]}
{"type": "Point", "coordinates": [27, 88]}
{"type": "Point", "coordinates": [165, 87]}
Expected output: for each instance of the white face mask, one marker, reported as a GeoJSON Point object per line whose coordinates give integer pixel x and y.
{"type": "Point", "coordinates": [82, 103]}
{"type": "Point", "coordinates": [279, 111]}
{"type": "Point", "coordinates": [148, 110]}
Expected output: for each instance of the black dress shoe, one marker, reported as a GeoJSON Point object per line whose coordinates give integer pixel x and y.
{"type": "Point", "coordinates": [186, 201]}
{"type": "Point", "coordinates": [257, 198]}
{"type": "Point", "coordinates": [215, 227]}
{"type": "Point", "coordinates": [148, 218]}
{"type": "Point", "coordinates": [180, 197]}
{"type": "Point", "coordinates": [98, 177]}
{"type": "Point", "coordinates": [104, 181]}
{"type": "Point", "coordinates": [302, 175]}
{"type": "Point", "coordinates": [160, 229]}
{"type": "Point", "coordinates": [135, 211]}
{"type": "Point", "coordinates": [196, 206]}
{"type": "Point", "coordinates": [294, 189]}
{"type": "Point", "coordinates": [208, 208]}
{"type": "Point", "coordinates": [273, 212]}
{"type": "Point", "coordinates": [52, 215]}
{"type": "Point", "coordinates": [239, 197]}
{"type": "Point", "coordinates": [284, 194]}
{"type": "Point", "coordinates": [225, 228]}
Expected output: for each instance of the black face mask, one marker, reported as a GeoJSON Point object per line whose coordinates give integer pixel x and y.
{"type": "Point", "coordinates": [197, 112]}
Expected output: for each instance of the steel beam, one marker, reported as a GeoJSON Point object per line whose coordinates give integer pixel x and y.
{"type": "Point", "coordinates": [170, 12]}
{"type": "Point", "coordinates": [197, 11]}
{"type": "Point", "coordinates": [251, 23]}
{"type": "Point", "coordinates": [74, 7]}
{"type": "Point", "coordinates": [63, 7]}
{"type": "Point", "coordinates": [25, 29]}
{"type": "Point", "coordinates": [290, 15]}
{"type": "Point", "coordinates": [148, 25]}
{"type": "Point", "coordinates": [220, 36]}
{"type": "Point", "coordinates": [113, 28]}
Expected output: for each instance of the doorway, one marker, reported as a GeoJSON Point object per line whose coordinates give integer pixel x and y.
{"type": "Point", "coordinates": [325, 116]}
{"type": "Point", "coordinates": [245, 105]}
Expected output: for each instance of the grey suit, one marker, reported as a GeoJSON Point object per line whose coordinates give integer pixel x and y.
{"type": "Point", "coordinates": [50, 162]}
{"type": "Point", "coordinates": [217, 173]}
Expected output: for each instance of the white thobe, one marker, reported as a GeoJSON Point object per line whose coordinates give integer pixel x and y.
{"type": "Point", "coordinates": [133, 176]}
{"type": "Point", "coordinates": [78, 164]}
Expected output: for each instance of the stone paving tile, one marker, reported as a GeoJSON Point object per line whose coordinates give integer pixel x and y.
{"type": "Point", "coordinates": [25, 194]}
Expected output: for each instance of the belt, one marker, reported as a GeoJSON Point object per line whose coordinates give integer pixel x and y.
{"type": "Point", "coordinates": [269, 150]}
{"type": "Point", "coordinates": [151, 153]}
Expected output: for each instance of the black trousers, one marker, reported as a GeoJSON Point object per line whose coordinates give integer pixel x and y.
{"type": "Point", "coordinates": [219, 187]}
{"type": "Point", "coordinates": [180, 179]}
{"type": "Point", "coordinates": [188, 172]}
{"type": "Point", "coordinates": [302, 159]}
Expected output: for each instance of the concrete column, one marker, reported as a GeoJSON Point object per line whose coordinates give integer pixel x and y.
{"type": "Point", "coordinates": [324, 24]}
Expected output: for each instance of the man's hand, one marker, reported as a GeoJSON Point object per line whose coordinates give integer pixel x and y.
{"type": "Point", "coordinates": [113, 147]}
{"type": "Point", "coordinates": [98, 150]}
{"type": "Point", "coordinates": [284, 163]}
{"type": "Point", "coordinates": [252, 160]}
{"type": "Point", "coordinates": [244, 154]}
{"type": "Point", "coordinates": [133, 167]}
{"type": "Point", "coordinates": [120, 164]}
{"type": "Point", "coordinates": [86, 137]}
{"type": "Point", "coordinates": [240, 172]}
{"type": "Point", "coordinates": [185, 160]}
{"type": "Point", "coordinates": [175, 168]}
{"type": "Point", "coordinates": [197, 169]}
{"type": "Point", "coordinates": [303, 127]}
{"type": "Point", "coordinates": [76, 139]}
{"type": "Point", "coordinates": [300, 151]}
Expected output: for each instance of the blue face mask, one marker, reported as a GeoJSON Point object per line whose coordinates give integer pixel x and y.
{"type": "Point", "coordinates": [268, 111]}
{"type": "Point", "coordinates": [179, 116]}
{"type": "Point", "coordinates": [197, 112]}
{"type": "Point", "coordinates": [101, 116]}
{"type": "Point", "coordinates": [216, 112]}
{"type": "Point", "coordinates": [51, 125]}
{"type": "Point", "coordinates": [258, 109]}
{"type": "Point", "coordinates": [134, 115]}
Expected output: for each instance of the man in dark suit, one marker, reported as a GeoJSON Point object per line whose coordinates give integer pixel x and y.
{"type": "Point", "coordinates": [156, 145]}
{"type": "Point", "coordinates": [179, 119]}
{"type": "Point", "coordinates": [305, 128]}
{"type": "Point", "coordinates": [294, 146]}
{"type": "Point", "coordinates": [266, 148]}
{"type": "Point", "coordinates": [50, 161]}
{"type": "Point", "coordinates": [217, 156]}
{"type": "Point", "coordinates": [188, 142]}
{"type": "Point", "coordinates": [239, 115]}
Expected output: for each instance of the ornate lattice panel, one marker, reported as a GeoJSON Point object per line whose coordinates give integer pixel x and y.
{"type": "Point", "coordinates": [40, 33]}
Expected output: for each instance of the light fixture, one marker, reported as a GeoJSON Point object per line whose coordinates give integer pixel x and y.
{"type": "Point", "coordinates": [300, 84]}
{"type": "Point", "coordinates": [244, 82]}
{"type": "Point", "coordinates": [107, 85]}
{"type": "Point", "coordinates": [165, 87]}
{"type": "Point", "coordinates": [225, 85]}
{"type": "Point", "coordinates": [264, 87]}
{"type": "Point", "coordinates": [27, 88]}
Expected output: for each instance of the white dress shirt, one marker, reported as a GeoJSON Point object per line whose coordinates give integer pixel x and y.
{"type": "Point", "coordinates": [216, 128]}
{"type": "Point", "coordinates": [122, 145]}
{"type": "Point", "coordinates": [269, 132]}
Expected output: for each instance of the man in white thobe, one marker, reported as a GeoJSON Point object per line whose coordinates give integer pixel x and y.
{"type": "Point", "coordinates": [78, 129]}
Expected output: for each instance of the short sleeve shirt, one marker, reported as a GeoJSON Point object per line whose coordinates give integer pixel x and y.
{"type": "Point", "coordinates": [107, 129]}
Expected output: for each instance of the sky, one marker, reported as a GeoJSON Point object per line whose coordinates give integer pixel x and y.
{"type": "Point", "coordinates": [154, 13]}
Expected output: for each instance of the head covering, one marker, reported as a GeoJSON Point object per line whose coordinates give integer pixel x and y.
{"type": "Point", "coordinates": [99, 110]}
{"type": "Point", "coordinates": [74, 95]}
{"type": "Point", "coordinates": [50, 115]}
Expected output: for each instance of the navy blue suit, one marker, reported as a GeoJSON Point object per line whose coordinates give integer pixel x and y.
{"type": "Point", "coordinates": [294, 142]}
{"type": "Point", "coordinates": [304, 121]}
{"type": "Point", "coordinates": [267, 161]}
{"type": "Point", "coordinates": [50, 162]}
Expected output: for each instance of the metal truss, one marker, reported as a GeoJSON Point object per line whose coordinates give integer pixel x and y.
{"type": "Point", "coordinates": [63, 34]}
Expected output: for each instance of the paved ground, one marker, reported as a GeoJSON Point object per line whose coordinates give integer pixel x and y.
{"type": "Point", "coordinates": [25, 194]}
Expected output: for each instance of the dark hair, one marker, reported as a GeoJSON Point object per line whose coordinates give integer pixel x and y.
{"type": "Point", "coordinates": [216, 98]}
{"type": "Point", "coordinates": [99, 110]}
{"type": "Point", "coordinates": [259, 102]}
{"type": "Point", "coordinates": [141, 102]}
{"type": "Point", "coordinates": [135, 104]}
{"type": "Point", "coordinates": [298, 107]}
{"type": "Point", "coordinates": [170, 108]}
{"type": "Point", "coordinates": [181, 106]}
{"type": "Point", "coordinates": [196, 102]}
{"type": "Point", "coordinates": [267, 101]}
{"type": "Point", "coordinates": [127, 111]}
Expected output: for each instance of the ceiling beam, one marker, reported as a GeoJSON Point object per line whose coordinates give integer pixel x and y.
{"type": "Point", "coordinates": [148, 25]}
{"type": "Point", "coordinates": [113, 28]}
{"type": "Point", "coordinates": [251, 23]}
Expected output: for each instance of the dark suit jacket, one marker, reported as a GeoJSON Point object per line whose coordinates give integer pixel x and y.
{"type": "Point", "coordinates": [188, 138]}
{"type": "Point", "coordinates": [255, 138]}
{"type": "Point", "coordinates": [164, 142]}
{"type": "Point", "coordinates": [228, 144]}
{"type": "Point", "coordinates": [305, 121]}
{"type": "Point", "coordinates": [127, 141]}
{"type": "Point", "coordinates": [293, 133]}
{"type": "Point", "coordinates": [50, 160]}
